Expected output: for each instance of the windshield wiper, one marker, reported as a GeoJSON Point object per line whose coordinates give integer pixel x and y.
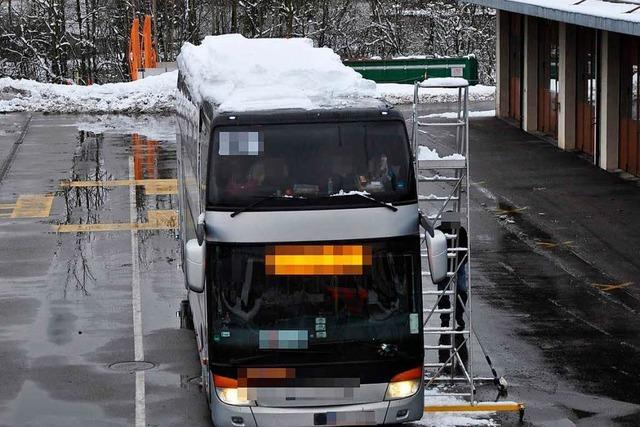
{"type": "Point", "coordinates": [256, 203]}
{"type": "Point", "coordinates": [367, 197]}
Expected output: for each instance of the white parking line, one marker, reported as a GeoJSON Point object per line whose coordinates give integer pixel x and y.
{"type": "Point", "coordinates": [140, 419]}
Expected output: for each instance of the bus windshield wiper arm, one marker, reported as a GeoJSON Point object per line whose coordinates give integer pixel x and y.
{"type": "Point", "coordinates": [368, 197]}
{"type": "Point", "coordinates": [256, 203]}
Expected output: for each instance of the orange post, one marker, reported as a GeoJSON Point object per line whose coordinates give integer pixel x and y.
{"type": "Point", "coordinates": [134, 49]}
{"type": "Point", "coordinates": [150, 56]}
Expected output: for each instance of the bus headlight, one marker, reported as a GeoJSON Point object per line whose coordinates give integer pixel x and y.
{"type": "Point", "coordinates": [234, 396]}
{"type": "Point", "coordinates": [402, 389]}
{"type": "Point", "coordinates": [404, 384]}
{"type": "Point", "coordinates": [228, 391]}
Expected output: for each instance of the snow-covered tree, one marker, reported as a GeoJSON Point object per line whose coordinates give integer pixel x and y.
{"type": "Point", "coordinates": [86, 40]}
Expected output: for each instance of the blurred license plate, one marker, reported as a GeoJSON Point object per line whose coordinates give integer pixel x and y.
{"type": "Point", "coordinates": [361, 418]}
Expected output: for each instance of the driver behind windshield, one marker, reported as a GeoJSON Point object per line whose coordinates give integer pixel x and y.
{"type": "Point", "coordinates": [382, 177]}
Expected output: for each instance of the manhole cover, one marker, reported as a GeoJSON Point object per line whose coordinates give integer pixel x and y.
{"type": "Point", "coordinates": [132, 366]}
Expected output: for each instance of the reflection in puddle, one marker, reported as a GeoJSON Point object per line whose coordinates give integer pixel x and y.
{"type": "Point", "coordinates": [101, 155]}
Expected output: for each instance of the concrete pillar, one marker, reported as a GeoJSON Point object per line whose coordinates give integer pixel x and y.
{"type": "Point", "coordinates": [567, 83]}
{"type": "Point", "coordinates": [502, 64]}
{"type": "Point", "coordinates": [609, 100]}
{"type": "Point", "coordinates": [530, 77]}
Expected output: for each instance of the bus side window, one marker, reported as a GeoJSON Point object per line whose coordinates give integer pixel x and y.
{"type": "Point", "coordinates": [203, 150]}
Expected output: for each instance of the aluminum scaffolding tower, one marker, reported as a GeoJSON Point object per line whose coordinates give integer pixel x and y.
{"type": "Point", "coordinates": [443, 185]}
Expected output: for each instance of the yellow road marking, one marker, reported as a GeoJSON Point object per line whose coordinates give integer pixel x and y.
{"type": "Point", "coordinates": [163, 218]}
{"type": "Point", "coordinates": [111, 183]}
{"type": "Point", "coordinates": [167, 186]}
{"type": "Point", "coordinates": [551, 245]}
{"type": "Point", "coordinates": [510, 211]}
{"type": "Point", "coordinates": [87, 228]}
{"type": "Point", "coordinates": [32, 206]}
{"type": "Point", "coordinates": [158, 220]}
{"type": "Point", "coordinates": [479, 407]}
{"type": "Point", "coordinates": [152, 186]}
{"type": "Point", "coordinates": [611, 286]}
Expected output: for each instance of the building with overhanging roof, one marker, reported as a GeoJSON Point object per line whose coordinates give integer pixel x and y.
{"type": "Point", "coordinates": [568, 69]}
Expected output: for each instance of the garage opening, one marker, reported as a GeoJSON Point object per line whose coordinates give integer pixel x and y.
{"type": "Point", "coordinates": [516, 48]}
{"type": "Point", "coordinates": [548, 84]}
{"type": "Point", "coordinates": [586, 89]}
{"type": "Point", "coordinates": [629, 142]}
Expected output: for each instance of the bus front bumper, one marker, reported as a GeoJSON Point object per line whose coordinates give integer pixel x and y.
{"type": "Point", "coordinates": [379, 413]}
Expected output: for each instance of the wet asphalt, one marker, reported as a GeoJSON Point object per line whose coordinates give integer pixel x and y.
{"type": "Point", "coordinates": [555, 269]}
{"type": "Point", "coordinates": [66, 311]}
{"type": "Point", "coordinates": [555, 266]}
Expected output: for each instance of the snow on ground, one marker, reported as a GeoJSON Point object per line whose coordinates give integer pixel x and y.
{"type": "Point", "coordinates": [444, 82]}
{"type": "Point", "coordinates": [394, 93]}
{"type": "Point", "coordinates": [453, 115]}
{"type": "Point", "coordinates": [155, 94]}
{"type": "Point", "coordinates": [157, 127]}
{"type": "Point", "coordinates": [448, 419]}
{"type": "Point", "coordinates": [270, 74]}
{"type": "Point", "coordinates": [263, 77]}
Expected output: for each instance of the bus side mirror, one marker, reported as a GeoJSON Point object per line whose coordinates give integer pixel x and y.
{"type": "Point", "coordinates": [195, 255]}
{"type": "Point", "coordinates": [201, 230]}
{"type": "Point", "coordinates": [437, 255]}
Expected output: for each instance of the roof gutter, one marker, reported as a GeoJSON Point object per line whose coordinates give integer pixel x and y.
{"type": "Point", "coordinates": [575, 18]}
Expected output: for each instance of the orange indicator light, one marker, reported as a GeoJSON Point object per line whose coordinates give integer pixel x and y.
{"type": "Point", "coordinates": [284, 260]}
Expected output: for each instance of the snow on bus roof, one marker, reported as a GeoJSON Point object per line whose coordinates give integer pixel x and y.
{"type": "Point", "coordinates": [239, 74]}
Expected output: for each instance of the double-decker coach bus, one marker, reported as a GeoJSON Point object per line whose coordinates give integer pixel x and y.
{"type": "Point", "coordinates": [301, 254]}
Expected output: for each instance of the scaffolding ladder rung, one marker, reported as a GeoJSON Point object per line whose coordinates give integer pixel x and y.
{"type": "Point", "coordinates": [444, 331]}
{"type": "Point", "coordinates": [431, 198]}
{"type": "Point", "coordinates": [427, 273]}
{"type": "Point", "coordinates": [437, 178]}
{"type": "Point", "coordinates": [438, 311]}
{"type": "Point", "coordinates": [435, 293]}
{"type": "Point", "coordinates": [448, 236]}
{"type": "Point", "coordinates": [435, 164]}
{"type": "Point", "coordinates": [441, 124]}
{"type": "Point", "coordinates": [437, 347]}
{"type": "Point", "coordinates": [436, 365]}
{"type": "Point", "coordinates": [453, 394]}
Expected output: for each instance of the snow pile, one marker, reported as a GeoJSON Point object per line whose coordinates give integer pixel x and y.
{"type": "Point", "coordinates": [445, 82]}
{"type": "Point", "coordinates": [425, 153]}
{"type": "Point", "coordinates": [239, 74]}
{"type": "Point", "coordinates": [154, 94]}
{"type": "Point", "coordinates": [395, 93]}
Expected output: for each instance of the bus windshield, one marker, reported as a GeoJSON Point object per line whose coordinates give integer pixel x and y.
{"type": "Point", "coordinates": [305, 299]}
{"type": "Point", "coordinates": [310, 164]}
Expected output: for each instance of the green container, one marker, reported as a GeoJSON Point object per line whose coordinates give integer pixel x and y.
{"type": "Point", "coordinates": [412, 70]}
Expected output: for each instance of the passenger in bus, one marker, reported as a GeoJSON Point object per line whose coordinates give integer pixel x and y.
{"type": "Point", "coordinates": [248, 183]}
{"type": "Point", "coordinates": [342, 176]}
